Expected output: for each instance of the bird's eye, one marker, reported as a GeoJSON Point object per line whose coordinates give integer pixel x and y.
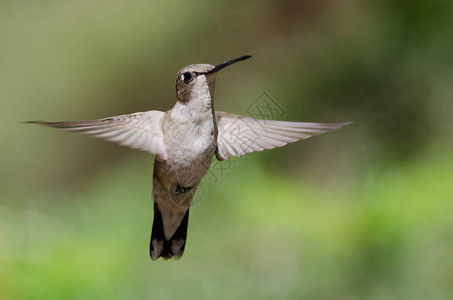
{"type": "Point", "coordinates": [186, 77]}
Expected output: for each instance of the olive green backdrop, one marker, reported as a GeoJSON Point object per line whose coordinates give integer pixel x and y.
{"type": "Point", "coordinates": [365, 212]}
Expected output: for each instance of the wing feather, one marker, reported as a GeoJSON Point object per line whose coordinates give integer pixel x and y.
{"type": "Point", "coordinates": [238, 135]}
{"type": "Point", "coordinates": [142, 130]}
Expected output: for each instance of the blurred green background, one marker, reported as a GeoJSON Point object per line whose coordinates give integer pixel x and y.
{"type": "Point", "coordinates": [365, 212]}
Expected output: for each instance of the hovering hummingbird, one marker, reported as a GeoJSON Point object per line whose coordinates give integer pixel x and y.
{"type": "Point", "coordinates": [184, 141]}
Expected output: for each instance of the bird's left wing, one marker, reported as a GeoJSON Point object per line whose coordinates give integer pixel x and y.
{"type": "Point", "coordinates": [142, 130]}
{"type": "Point", "coordinates": [238, 135]}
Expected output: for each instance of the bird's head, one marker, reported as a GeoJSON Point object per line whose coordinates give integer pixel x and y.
{"type": "Point", "coordinates": [194, 81]}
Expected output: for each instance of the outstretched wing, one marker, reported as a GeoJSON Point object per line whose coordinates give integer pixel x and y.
{"type": "Point", "coordinates": [238, 135]}
{"type": "Point", "coordinates": [142, 130]}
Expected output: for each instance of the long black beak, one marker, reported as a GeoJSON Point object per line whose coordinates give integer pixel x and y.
{"type": "Point", "coordinates": [227, 63]}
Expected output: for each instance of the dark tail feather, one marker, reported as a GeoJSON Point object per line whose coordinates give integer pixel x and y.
{"type": "Point", "coordinates": [171, 248]}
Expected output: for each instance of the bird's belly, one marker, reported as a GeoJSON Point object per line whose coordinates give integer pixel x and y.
{"type": "Point", "coordinates": [189, 157]}
{"type": "Point", "coordinates": [191, 142]}
{"type": "Point", "coordinates": [177, 178]}
{"type": "Point", "coordinates": [192, 157]}
{"type": "Point", "coordinates": [190, 146]}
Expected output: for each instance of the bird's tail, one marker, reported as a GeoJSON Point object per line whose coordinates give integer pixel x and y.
{"type": "Point", "coordinates": [159, 246]}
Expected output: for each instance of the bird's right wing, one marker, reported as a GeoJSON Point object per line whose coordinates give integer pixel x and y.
{"type": "Point", "coordinates": [142, 130]}
{"type": "Point", "coordinates": [238, 135]}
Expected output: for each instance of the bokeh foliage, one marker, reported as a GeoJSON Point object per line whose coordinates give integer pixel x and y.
{"type": "Point", "coordinates": [361, 213]}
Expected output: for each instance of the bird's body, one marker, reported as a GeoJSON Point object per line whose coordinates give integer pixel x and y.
{"type": "Point", "coordinates": [184, 141]}
{"type": "Point", "coordinates": [189, 130]}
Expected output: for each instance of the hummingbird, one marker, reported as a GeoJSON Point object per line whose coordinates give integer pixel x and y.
{"type": "Point", "coordinates": [185, 140]}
